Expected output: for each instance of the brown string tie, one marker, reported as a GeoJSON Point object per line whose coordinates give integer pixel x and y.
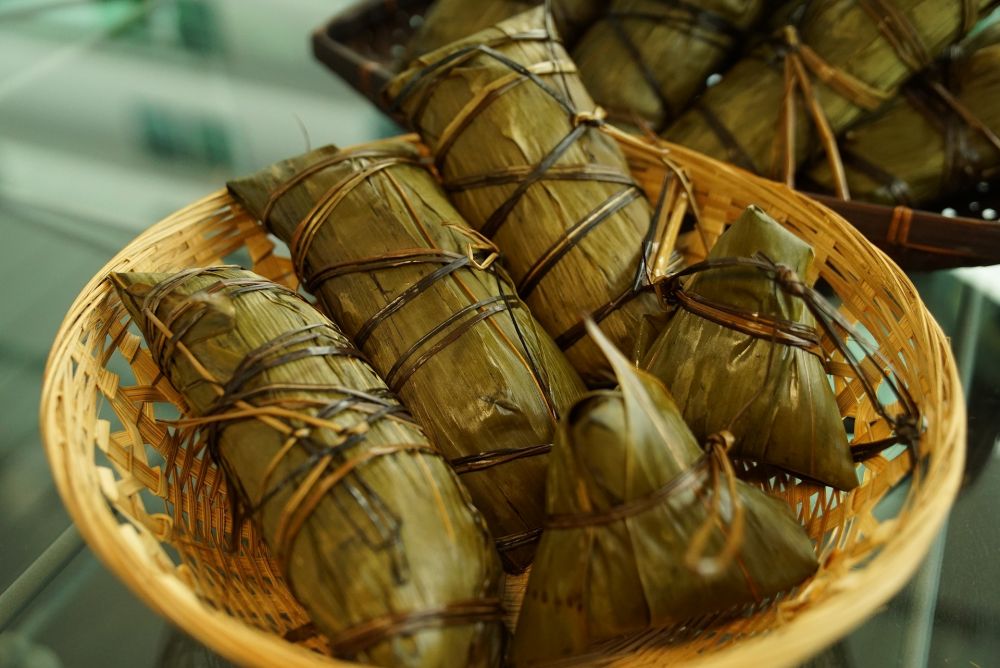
{"type": "Point", "coordinates": [685, 480]}
{"type": "Point", "coordinates": [755, 324]}
{"type": "Point", "coordinates": [717, 447]}
{"type": "Point", "coordinates": [325, 465]}
{"type": "Point", "coordinates": [480, 255]}
{"type": "Point", "coordinates": [363, 636]}
{"type": "Point", "coordinates": [900, 33]}
{"type": "Point", "coordinates": [713, 466]}
{"type": "Point", "coordinates": [955, 121]}
{"type": "Point", "coordinates": [907, 425]}
{"type": "Point", "coordinates": [594, 119]}
{"type": "Point", "coordinates": [325, 468]}
{"type": "Point", "coordinates": [798, 59]}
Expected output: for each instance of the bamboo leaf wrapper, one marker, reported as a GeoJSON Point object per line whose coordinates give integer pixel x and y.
{"type": "Point", "coordinates": [939, 136]}
{"type": "Point", "coordinates": [393, 263]}
{"type": "Point", "coordinates": [644, 60]}
{"type": "Point", "coordinates": [515, 138]}
{"type": "Point", "coordinates": [375, 536]}
{"type": "Point", "coordinates": [629, 493]}
{"type": "Point", "coordinates": [840, 60]}
{"type": "Point", "coordinates": [774, 396]}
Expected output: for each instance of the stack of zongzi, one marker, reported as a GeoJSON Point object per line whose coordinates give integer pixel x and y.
{"type": "Point", "coordinates": [393, 263]}
{"type": "Point", "coordinates": [515, 138]}
{"type": "Point", "coordinates": [742, 355]}
{"type": "Point", "coordinates": [645, 529]}
{"type": "Point", "coordinates": [838, 61]}
{"type": "Point", "coordinates": [645, 59]}
{"type": "Point", "coordinates": [449, 20]}
{"type": "Point", "coordinates": [374, 533]}
{"type": "Point", "coordinates": [938, 137]}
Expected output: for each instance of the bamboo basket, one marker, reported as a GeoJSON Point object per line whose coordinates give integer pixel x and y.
{"type": "Point", "coordinates": [156, 514]}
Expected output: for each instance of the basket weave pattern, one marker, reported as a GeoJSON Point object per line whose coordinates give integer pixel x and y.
{"type": "Point", "coordinates": [156, 511]}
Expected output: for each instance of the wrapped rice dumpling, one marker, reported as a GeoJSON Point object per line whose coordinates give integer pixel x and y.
{"type": "Point", "coordinates": [516, 142]}
{"type": "Point", "coordinates": [836, 62]}
{"type": "Point", "coordinates": [451, 20]}
{"type": "Point", "coordinates": [375, 535]}
{"type": "Point", "coordinates": [742, 355]}
{"type": "Point", "coordinates": [646, 529]}
{"type": "Point", "coordinates": [645, 60]}
{"type": "Point", "coordinates": [940, 136]}
{"type": "Point", "coordinates": [392, 262]}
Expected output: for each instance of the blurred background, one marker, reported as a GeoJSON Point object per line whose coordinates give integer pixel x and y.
{"type": "Point", "coordinates": [114, 113]}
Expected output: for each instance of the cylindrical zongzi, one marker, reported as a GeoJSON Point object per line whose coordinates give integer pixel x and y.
{"type": "Point", "coordinates": [741, 355]}
{"type": "Point", "coordinates": [839, 60]}
{"type": "Point", "coordinates": [514, 137]}
{"type": "Point", "coordinates": [644, 60]}
{"type": "Point", "coordinates": [391, 261]}
{"type": "Point", "coordinates": [646, 529]}
{"type": "Point", "coordinates": [375, 535]}
{"type": "Point", "coordinates": [940, 136]}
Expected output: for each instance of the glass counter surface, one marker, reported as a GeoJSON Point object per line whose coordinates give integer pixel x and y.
{"type": "Point", "coordinates": [115, 113]}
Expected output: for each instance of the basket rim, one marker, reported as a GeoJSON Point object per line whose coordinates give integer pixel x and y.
{"type": "Point", "coordinates": [118, 546]}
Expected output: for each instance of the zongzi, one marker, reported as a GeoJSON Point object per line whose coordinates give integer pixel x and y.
{"type": "Point", "coordinates": [516, 141]}
{"type": "Point", "coordinates": [449, 20]}
{"type": "Point", "coordinates": [742, 355]}
{"type": "Point", "coordinates": [941, 135]}
{"type": "Point", "coordinates": [375, 535]}
{"type": "Point", "coordinates": [645, 528]}
{"type": "Point", "coordinates": [833, 63]}
{"type": "Point", "coordinates": [374, 237]}
{"type": "Point", "coordinates": [645, 60]}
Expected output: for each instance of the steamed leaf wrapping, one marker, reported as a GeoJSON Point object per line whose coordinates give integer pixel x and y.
{"type": "Point", "coordinates": [515, 139]}
{"type": "Point", "coordinates": [644, 60]}
{"type": "Point", "coordinates": [829, 66]}
{"type": "Point", "coordinates": [367, 521]}
{"type": "Point", "coordinates": [775, 398]}
{"type": "Point", "coordinates": [940, 136]}
{"type": "Point", "coordinates": [395, 266]}
{"type": "Point", "coordinates": [629, 491]}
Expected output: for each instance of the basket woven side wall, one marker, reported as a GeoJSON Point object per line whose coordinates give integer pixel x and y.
{"type": "Point", "coordinates": [156, 513]}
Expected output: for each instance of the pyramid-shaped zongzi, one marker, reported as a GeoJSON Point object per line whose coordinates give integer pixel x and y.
{"type": "Point", "coordinates": [644, 529]}
{"type": "Point", "coordinates": [774, 397]}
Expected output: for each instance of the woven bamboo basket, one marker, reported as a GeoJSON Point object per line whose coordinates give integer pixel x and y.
{"type": "Point", "coordinates": [155, 513]}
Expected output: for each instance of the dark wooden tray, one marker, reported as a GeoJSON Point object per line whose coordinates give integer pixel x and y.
{"type": "Point", "coordinates": [364, 46]}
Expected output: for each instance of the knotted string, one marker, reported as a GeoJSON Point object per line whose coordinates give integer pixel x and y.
{"type": "Point", "coordinates": [934, 95]}
{"type": "Point", "coordinates": [480, 255]}
{"type": "Point", "coordinates": [420, 89]}
{"type": "Point", "coordinates": [906, 425]}
{"type": "Point", "coordinates": [714, 468]}
{"type": "Point", "coordinates": [717, 447]}
{"type": "Point", "coordinates": [800, 63]}
{"type": "Point", "coordinates": [326, 466]}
